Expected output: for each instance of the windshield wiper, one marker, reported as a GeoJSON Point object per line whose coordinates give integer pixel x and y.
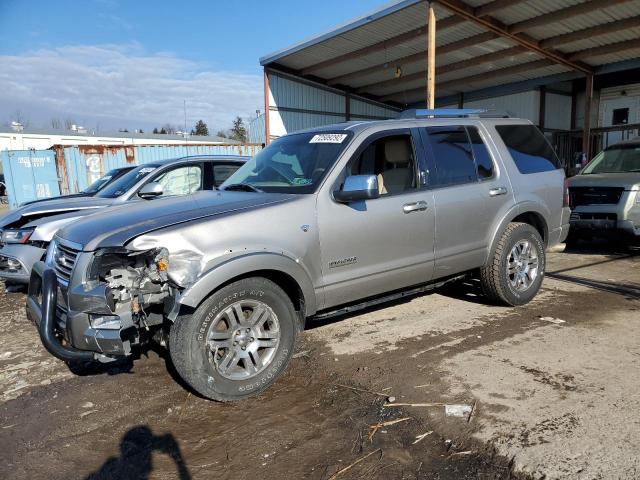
{"type": "Point", "coordinates": [243, 187]}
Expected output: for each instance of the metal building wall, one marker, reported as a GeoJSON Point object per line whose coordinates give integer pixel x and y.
{"type": "Point", "coordinates": [522, 105]}
{"type": "Point", "coordinates": [296, 104]}
{"type": "Point", "coordinates": [557, 111]}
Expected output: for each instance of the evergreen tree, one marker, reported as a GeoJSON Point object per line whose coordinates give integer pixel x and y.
{"type": "Point", "coordinates": [238, 130]}
{"type": "Point", "coordinates": [155, 131]}
{"type": "Point", "coordinates": [200, 129]}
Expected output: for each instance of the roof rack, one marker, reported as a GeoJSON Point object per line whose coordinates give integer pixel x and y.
{"type": "Point", "coordinates": [452, 113]}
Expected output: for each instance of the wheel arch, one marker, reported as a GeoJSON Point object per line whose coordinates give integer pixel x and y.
{"type": "Point", "coordinates": [529, 213]}
{"type": "Point", "coordinates": [279, 268]}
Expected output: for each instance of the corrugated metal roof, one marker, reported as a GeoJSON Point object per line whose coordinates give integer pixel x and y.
{"type": "Point", "coordinates": [365, 52]}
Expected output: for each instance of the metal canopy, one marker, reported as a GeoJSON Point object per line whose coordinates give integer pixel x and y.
{"type": "Point", "coordinates": [479, 44]}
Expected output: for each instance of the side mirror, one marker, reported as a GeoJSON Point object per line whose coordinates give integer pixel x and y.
{"type": "Point", "coordinates": [150, 190]}
{"type": "Point", "coordinates": [357, 187]}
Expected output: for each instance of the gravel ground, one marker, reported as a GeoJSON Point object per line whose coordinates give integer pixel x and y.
{"type": "Point", "coordinates": [553, 386]}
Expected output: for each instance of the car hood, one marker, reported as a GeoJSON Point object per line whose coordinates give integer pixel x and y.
{"type": "Point", "coordinates": [54, 206]}
{"type": "Point", "coordinates": [117, 226]}
{"type": "Point", "coordinates": [628, 180]}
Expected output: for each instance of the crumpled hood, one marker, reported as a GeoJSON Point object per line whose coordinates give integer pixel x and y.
{"type": "Point", "coordinates": [115, 227]}
{"type": "Point", "coordinates": [53, 206]}
{"type": "Point", "coordinates": [628, 180]}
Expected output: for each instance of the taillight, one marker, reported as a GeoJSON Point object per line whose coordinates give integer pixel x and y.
{"type": "Point", "coordinates": [566, 200]}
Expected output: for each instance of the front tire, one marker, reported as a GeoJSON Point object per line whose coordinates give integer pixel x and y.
{"type": "Point", "coordinates": [237, 342]}
{"type": "Point", "coordinates": [515, 272]}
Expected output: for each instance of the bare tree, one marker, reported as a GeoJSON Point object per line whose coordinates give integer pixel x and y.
{"type": "Point", "coordinates": [56, 123]}
{"type": "Point", "coordinates": [68, 122]}
{"type": "Point", "coordinates": [20, 117]}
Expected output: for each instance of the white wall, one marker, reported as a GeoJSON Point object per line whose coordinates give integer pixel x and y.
{"type": "Point", "coordinates": [613, 98]}
{"type": "Point", "coordinates": [28, 141]}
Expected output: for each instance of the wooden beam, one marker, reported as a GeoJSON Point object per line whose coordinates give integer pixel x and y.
{"type": "Point", "coordinates": [513, 70]}
{"type": "Point", "coordinates": [380, 46]}
{"type": "Point", "coordinates": [591, 32]}
{"type": "Point", "coordinates": [563, 14]}
{"type": "Point", "coordinates": [462, 9]}
{"type": "Point", "coordinates": [606, 49]}
{"type": "Point", "coordinates": [267, 132]}
{"type": "Point", "coordinates": [416, 57]}
{"type": "Point", "coordinates": [431, 58]}
{"type": "Point", "coordinates": [451, 67]}
{"type": "Point", "coordinates": [461, 100]}
{"type": "Point", "coordinates": [586, 129]}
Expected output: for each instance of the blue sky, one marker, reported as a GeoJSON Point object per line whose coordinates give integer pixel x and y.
{"type": "Point", "coordinates": [125, 63]}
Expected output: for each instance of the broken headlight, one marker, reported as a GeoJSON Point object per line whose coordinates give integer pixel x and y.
{"type": "Point", "coordinates": [16, 235]}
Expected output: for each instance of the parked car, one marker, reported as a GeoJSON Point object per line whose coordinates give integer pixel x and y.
{"type": "Point", "coordinates": [110, 177]}
{"type": "Point", "coordinates": [604, 196]}
{"type": "Point", "coordinates": [319, 223]}
{"type": "Point", "coordinates": [26, 231]}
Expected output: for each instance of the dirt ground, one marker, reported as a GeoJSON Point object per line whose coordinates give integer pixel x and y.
{"type": "Point", "coordinates": [554, 389]}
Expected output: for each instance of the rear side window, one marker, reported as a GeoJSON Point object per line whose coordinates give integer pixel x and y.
{"type": "Point", "coordinates": [222, 171]}
{"type": "Point", "coordinates": [529, 149]}
{"type": "Point", "coordinates": [453, 156]}
{"type": "Point", "coordinates": [484, 163]}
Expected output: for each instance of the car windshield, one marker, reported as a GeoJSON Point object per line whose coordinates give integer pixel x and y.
{"type": "Point", "coordinates": [125, 182]}
{"type": "Point", "coordinates": [295, 163]}
{"type": "Point", "coordinates": [620, 159]}
{"type": "Point", "coordinates": [101, 182]}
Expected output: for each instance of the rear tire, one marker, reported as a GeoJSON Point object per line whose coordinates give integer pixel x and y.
{"type": "Point", "coordinates": [237, 342]}
{"type": "Point", "coordinates": [515, 272]}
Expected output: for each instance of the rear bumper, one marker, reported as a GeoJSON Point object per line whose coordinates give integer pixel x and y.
{"type": "Point", "coordinates": [560, 234]}
{"type": "Point", "coordinates": [16, 262]}
{"type": "Point", "coordinates": [65, 333]}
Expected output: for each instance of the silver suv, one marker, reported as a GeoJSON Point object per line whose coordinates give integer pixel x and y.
{"type": "Point", "coordinates": [605, 196]}
{"type": "Point", "coordinates": [319, 223]}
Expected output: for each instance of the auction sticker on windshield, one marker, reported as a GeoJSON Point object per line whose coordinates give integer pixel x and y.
{"type": "Point", "coordinates": [328, 138]}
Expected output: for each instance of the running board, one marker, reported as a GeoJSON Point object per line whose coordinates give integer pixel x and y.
{"type": "Point", "coordinates": [387, 298]}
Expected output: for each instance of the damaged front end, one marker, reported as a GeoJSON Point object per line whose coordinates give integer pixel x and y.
{"type": "Point", "coordinates": [107, 301]}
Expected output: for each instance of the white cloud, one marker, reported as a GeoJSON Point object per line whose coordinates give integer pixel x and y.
{"type": "Point", "coordinates": [122, 85]}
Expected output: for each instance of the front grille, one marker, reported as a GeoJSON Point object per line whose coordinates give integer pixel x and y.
{"type": "Point", "coordinates": [594, 196]}
{"type": "Point", "coordinates": [64, 261]}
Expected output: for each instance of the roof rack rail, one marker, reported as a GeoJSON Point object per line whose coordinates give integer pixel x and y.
{"type": "Point", "coordinates": [452, 113]}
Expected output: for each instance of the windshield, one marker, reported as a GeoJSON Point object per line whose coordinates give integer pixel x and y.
{"type": "Point", "coordinates": [101, 182]}
{"type": "Point", "coordinates": [619, 159]}
{"type": "Point", "coordinates": [125, 182]}
{"type": "Point", "coordinates": [295, 163]}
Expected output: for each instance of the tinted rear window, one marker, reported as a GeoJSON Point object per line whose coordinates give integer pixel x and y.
{"type": "Point", "coordinates": [453, 156]}
{"type": "Point", "coordinates": [529, 149]}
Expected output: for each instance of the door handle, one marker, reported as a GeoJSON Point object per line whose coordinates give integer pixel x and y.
{"type": "Point", "coordinates": [415, 207]}
{"type": "Point", "coordinates": [494, 192]}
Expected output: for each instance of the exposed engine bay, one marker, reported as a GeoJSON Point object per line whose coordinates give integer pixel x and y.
{"type": "Point", "coordinates": [138, 290]}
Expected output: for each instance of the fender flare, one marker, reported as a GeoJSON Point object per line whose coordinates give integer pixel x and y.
{"type": "Point", "coordinates": [512, 213]}
{"type": "Point", "coordinates": [245, 264]}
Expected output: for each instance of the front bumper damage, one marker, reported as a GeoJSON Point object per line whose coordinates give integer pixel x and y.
{"type": "Point", "coordinates": [63, 319]}
{"type": "Point", "coordinates": [16, 262]}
